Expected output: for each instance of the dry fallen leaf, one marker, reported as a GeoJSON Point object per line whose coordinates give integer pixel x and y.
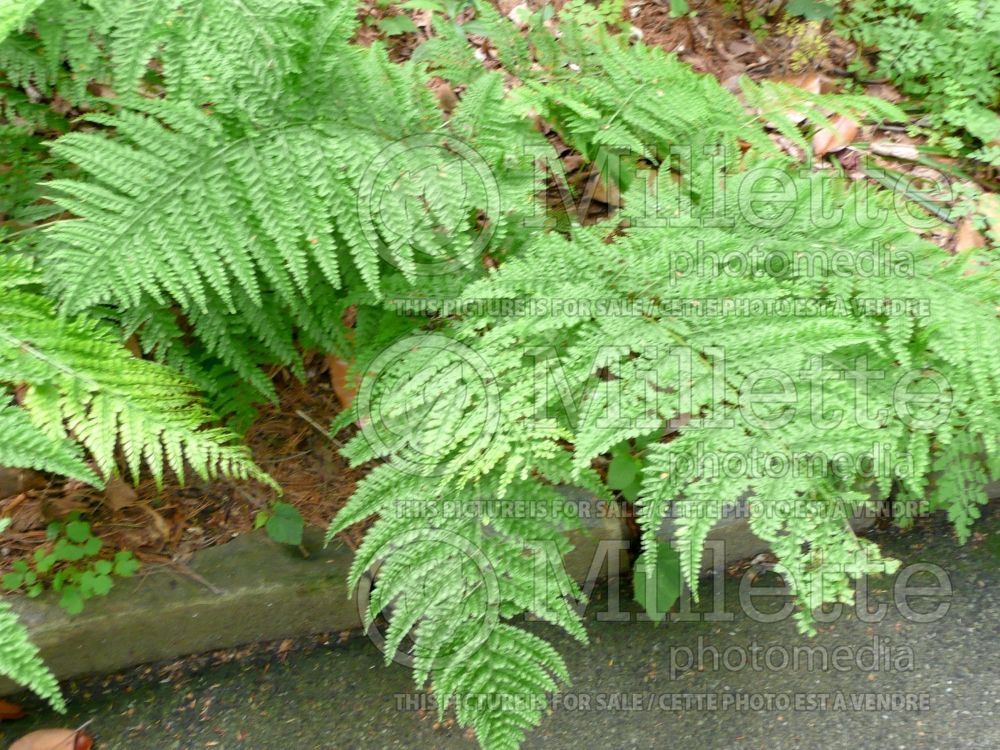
{"type": "Point", "coordinates": [966, 236]}
{"type": "Point", "coordinates": [897, 150]}
{"type": "Point", "coordinates": [810, 82]}
{"type": "Point", "coordinates": [989, 207]}
{"type": "Point", "coordinates": [119, 494]}
{"type": "Point", "coordinates": [445, 95]}
{"type": "Point", "coordinates": [10, 711]}
{"type": "Point", "coordinates": [345, 386]}
{"type": "Point", "coordinates": [162, 527]}
{"type": "Point", "coordinates": [836, 137]}
{"type": "Point", "coordinates": [604, 190]}
{"type": "Point", "coordinates": [54, 739]}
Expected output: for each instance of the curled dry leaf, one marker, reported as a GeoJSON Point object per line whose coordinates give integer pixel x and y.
{"type": "Point", "coordinates": [835, 137]}
{"type": "Point", "coordinates": [55, 739]}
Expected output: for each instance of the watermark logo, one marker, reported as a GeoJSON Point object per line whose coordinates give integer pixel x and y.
{"type": "Point", "coordinates": [447, 388]}
{"type": "Point", "coordinates": [425, 204]}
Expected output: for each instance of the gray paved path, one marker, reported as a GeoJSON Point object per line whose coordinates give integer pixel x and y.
{"type": "Point", "coordinates": [632, 688]}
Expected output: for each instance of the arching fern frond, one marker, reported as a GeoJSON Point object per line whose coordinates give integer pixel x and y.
{"type": "Point", "coordinates": [24, 444]}
{"type": "Point", "coordinates": [83, 385]}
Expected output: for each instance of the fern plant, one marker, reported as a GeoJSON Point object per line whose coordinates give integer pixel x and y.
{"type": "Point", "coordinates": [946, 54]}
{"type": "Point", "coordinates": [248, 222]}
{"type": "Point", "coordinates": [488, 416]}
{"type": "Point", "coordinates": [616, 336]}
{"type": "Point", "coordinates": [216, 216]}
{"type": "Point", "coordinates": [81, 388]}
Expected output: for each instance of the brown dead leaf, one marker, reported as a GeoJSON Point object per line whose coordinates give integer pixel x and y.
{"type": "Point", "coordinates": [989, 207]}
{"type": "Point", "coordinates": [905, 151]}
{"type": "Point", "coordinates": [885, 91]}
{"type": "Point", "coordinates": [15, 481]}
{"type": "Point", "coordinates": [836, 137]}
{"type": "Point", "coordinates": [809, 82]}
{"type": "Point", "coordinates": [445, 95]}
{"type": "Point", "coordinates": [10, 711]}
{"type": "Point", "coordinates": [57, 508]}
{"type": "Point", "coordinates": [54, 739]}
{"type": "Point", "coordinates": [162, 527]}
{"type": "Point", "coordinates": [119, 494]}
{"type": "Point", "coordinates": [967, 237]}
{"type": "Point", "coordinates": [344, 385]}
{"type": "Point", "coordinates": [604, 190]}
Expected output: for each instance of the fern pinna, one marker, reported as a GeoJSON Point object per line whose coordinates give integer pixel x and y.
{"type": "Point", "coordinates": [83, 387]}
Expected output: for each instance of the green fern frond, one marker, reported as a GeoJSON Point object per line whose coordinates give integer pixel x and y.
{"type": "Point", "coordinates": [82, 384]}
{"type": "Point", "coordinates": [23, 443]}
{"type": "Point", "coordinates": [19, 660]}
{"type": "Point", "coordinates": [14, 14]}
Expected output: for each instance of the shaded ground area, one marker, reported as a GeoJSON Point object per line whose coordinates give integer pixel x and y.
{"type": "Point", "coordinates": [638, 685]}
{"type": "Point", "coordinates": [289, 440]}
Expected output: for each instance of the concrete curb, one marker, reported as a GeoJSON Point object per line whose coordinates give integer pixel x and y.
{"type": "Point", "coordinates": [253, 590]}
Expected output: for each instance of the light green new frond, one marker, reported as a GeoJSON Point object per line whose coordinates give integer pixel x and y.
{"type": "Point", "coordinates": [82, 383]}
{"type": "Point", "coordinates": [777, 103]}
{"type": "Point", "coordinates": [14, 14]}
{"type": "Point", "coordinates": [23, 443]}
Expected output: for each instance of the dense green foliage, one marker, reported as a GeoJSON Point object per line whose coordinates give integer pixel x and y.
{"type": "Point", "coordinates": [945, 54]}
{"type": "Point", "coordinates": [244, 175]}
{"type": "Point", "coordinates": [74, 567]}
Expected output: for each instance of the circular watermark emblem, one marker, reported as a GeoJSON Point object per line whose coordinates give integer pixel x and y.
{"type": "Point", "coordinates": [425, 204]}
{"type": "Point", "coordinates": [464, 621]}
{"type": "Point", "coordinates": [430, 403]}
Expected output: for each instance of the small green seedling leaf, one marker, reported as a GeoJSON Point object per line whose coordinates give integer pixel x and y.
{"type": "Point", "coordinates": [71, 600]}
{"type": "Point", "coordinates": [285, 524]}
{"type": "Point", "coordinates": [396, 25]}
{"type": "Point", "coordinates": [811, 10]}
{"type": "Point", "coordinates": [78, 531]}
{"type": "Point", "coordinates": [625, 473]}
{"type": "Point", "coordinates": [125, 564]}
{"type": "Point", "coordinates": [657, 589]}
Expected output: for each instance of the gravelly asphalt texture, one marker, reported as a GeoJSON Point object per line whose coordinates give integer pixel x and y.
{"type": "Point", "coordinates": [637, 685]}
